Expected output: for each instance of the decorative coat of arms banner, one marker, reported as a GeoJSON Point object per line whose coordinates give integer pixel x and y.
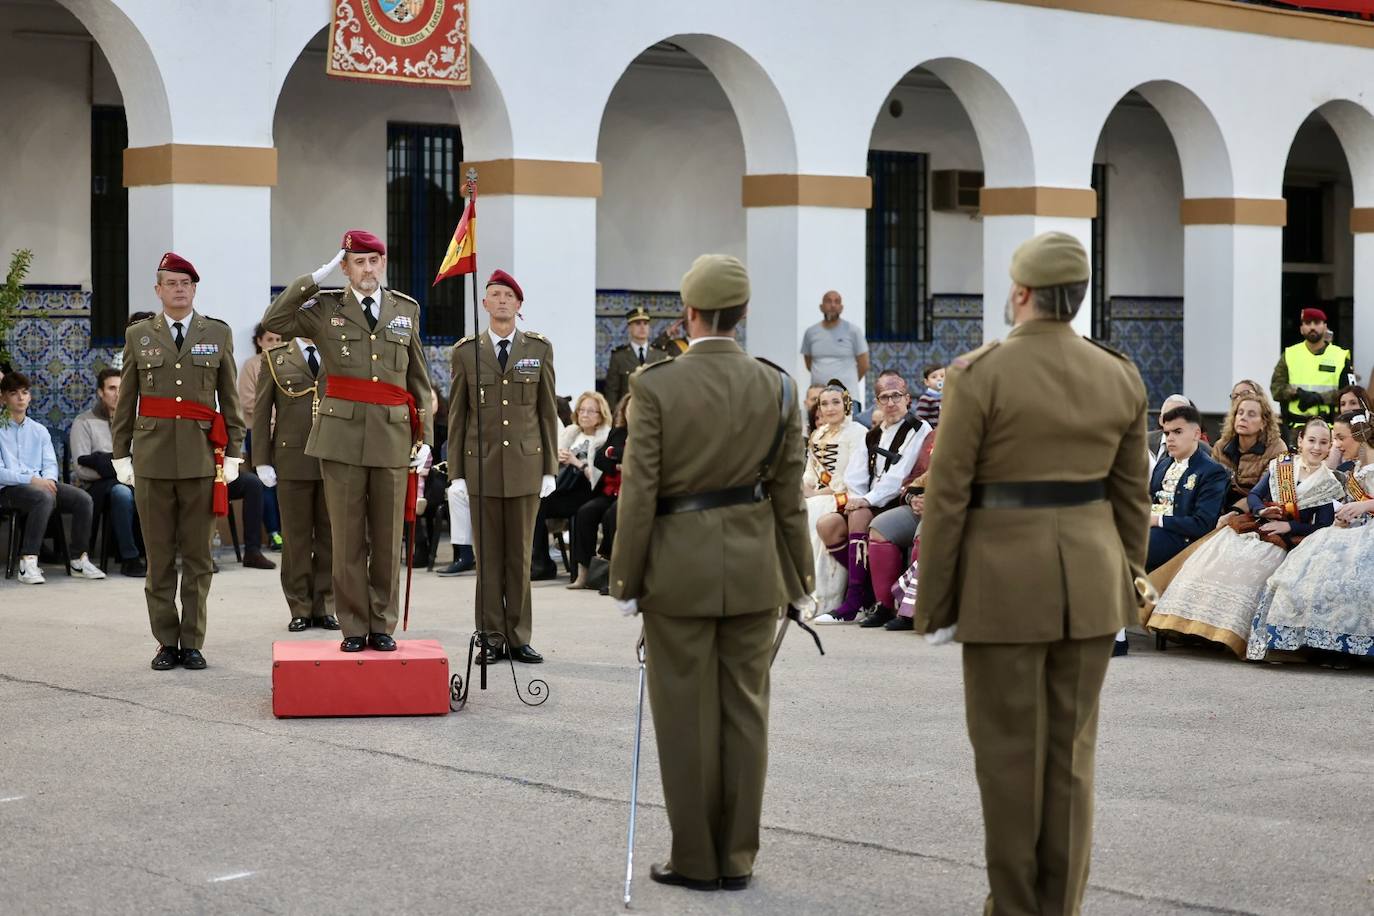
{"type": "Point", "coordinates": [400, 41]}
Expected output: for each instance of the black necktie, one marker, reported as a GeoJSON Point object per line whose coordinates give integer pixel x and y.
{"type": "Point", "coordinates": [367, 310]}
{"type": "Point", "coordinates": [312, 361]}
{"type": "Point", "coordinates": [504, 354]}
{"type": "Point", "coordinates": [640, 351]}
{"type": "Point", "coordinates": [180, 337]}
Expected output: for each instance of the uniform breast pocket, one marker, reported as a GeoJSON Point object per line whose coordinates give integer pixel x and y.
{"type": "Point", "coordinates": [149, 369]}
{"type": "Point", "coordinates": [529, 389]}
{"type": "Point", "coordinates": [398, 351]}
{"type": "Point", "coordinates": [207, 367]}
{"type": "Point", "coordinates": [347, 348]}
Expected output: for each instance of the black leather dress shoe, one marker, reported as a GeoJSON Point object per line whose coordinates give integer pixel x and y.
{"type": "Point", "coordinates": [737, 883]}
{"type": "Point", "coordinates": [298, 623]}
{"type": "Point", "coordinates": [880, 615]}
{"type": "Point", "coordinates": [167, 658]}
{"type": "Point", "coordinates": [353, 644]}
{"type": "Point", "coordinates": [526, 654]}
{"type": "Point", "coordinates": [900, 623]}
{"type": "Point", "coordinates": [492, 653]}
{"type": "Point", "coordinates": [327, 622]}
{"type": "Point", "coordinates": [191, 658]}
{"type": "Point", "coordinates": [457, 567]}
{"type": "Point", "coordinates": [381, 642]}
{"type": "Point", "coordinates": [665, 875]}
{"type": "Point", "coordinates": [257, 561]}
{"type": "Point", "coordinates": [134, 569]}
{"type": "Point", "coordinates": [543, 573]}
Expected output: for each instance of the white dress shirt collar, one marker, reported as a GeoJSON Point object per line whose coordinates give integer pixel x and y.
{"type": "Point", "coordinates": [495, 340]}
{"type": "Point", "coordinates": [696, 340]}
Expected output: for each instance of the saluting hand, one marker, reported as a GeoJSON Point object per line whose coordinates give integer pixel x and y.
{"type": "Point", "coordinates": [327, 268]}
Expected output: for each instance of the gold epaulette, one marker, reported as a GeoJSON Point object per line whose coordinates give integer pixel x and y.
{"type": "Point", "coordinates": [968, 359]}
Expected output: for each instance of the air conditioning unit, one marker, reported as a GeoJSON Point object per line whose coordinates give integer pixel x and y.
{"type": "Point", "coordinates": [955, 190]}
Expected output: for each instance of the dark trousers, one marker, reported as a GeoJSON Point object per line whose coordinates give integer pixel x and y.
{"type": "Point", "coordinates": [559, 504]}
{"type": "Point", "coordinates": [586, 521]}
{"type": "Point", "coordinates": [248, 487]}
{"type": "Point", "coordinates": [109, 495]}
{"type": "Point", "coordinates": [1164, 546]}
{"type": "Point", "coordinates": [38, 506]}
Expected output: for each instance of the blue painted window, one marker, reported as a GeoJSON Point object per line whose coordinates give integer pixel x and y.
{"type": "Point", "coordinates": [898, 307]}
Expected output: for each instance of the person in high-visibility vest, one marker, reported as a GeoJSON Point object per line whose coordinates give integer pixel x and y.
{"type": "Point", "coordinates": [1310, 373]}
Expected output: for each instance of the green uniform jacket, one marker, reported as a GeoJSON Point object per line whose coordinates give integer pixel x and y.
{"type": "Point", "coordinates": [282, 415]}
{"type": "Point", "coordinates": [202, 371]}
{"type": "Point", "coordinates": [622, 366]}
{"type": "Point", "coordinates": [518, 414]}
{"type": "Point", "coordinates": [1045, 404]}
{"type": "Point", "coordinates": [365, 435]}
{"type": "Point", "coordinates": [700, 422]}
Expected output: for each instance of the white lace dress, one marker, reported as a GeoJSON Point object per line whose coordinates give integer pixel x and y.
{"type": "Point", "coordinates": [827, 455]}
{"type": "Point", "coordinates": [1321, 597]}
{"type": "Point", "coordinates": [1216, 592]}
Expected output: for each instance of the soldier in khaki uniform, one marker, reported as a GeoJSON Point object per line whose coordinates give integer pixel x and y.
{"type": "Point", "coordinates": [628, 357]}
{"type": "Point", "coordinates": [291, 379]}
{"type": "Point", "coordinates": [178, 393]}
{"type": "Point", "coordinates": [373, 425]}
{"type": "Point", "coordinates": [711, 545]}
{"type": "Point", "coordinates": [518, 415]}
{"type": "Point", "coordinates": [1035, 529]}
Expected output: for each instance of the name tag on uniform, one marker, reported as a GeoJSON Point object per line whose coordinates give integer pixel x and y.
{"type": "Point", "coordinates": [527, 365]}
{"type": "Point", "coordinates": [204, 349]}
{"type": "Point", "coordinates": [400, 323]}
{"type": "Point", "coordinates": [1325, 367]}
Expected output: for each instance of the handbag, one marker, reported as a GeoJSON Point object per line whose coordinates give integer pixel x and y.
{"type": "Point", "coordinates": [567, 479]}
{"type": "Point", "coordinates": [598, 573]}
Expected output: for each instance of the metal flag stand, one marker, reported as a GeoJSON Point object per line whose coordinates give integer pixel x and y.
{"type": "Point", "coordinates": [480, 643]}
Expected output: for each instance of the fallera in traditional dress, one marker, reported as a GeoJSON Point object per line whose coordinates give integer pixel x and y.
{"type": "Point", "coordinates": [827, 455]}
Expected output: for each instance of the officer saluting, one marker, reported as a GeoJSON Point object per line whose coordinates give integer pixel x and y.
{"type": "Point", "coordinates": [177, 432]}
{"type": "Point", "coordinates": [1036, 525]}
{"type": "Point", "coordinates": [373, 422]}
{"type": "Point", "coordinates": [515, 408]}
{"type": "Point", "coordinates": [711, 543]}
{"type": "Point", "coordinates": [289, 385]}
{"type": "Point", "coordinates": [628, 357]}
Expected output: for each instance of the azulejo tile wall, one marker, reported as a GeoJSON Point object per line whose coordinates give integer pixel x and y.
{"type": "Point", "coordinates": [612, 305]}
{"type": "Point", "coordinates": [1150, 331]}
{"type": "Point", "coordinates": [956, 327]}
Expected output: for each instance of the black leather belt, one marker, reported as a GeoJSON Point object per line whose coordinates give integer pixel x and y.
{"type": "Point", "coordinates": [1037, 494]}
{"type": "Point", "coordinates": [715, 499]}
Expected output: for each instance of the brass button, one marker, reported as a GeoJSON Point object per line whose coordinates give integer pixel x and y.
{"type": "Point", "coordinates": [331, 410]}
{"type": "Point", "coordinates": [178, 381]}
{"type": "Point", "coordinates": [178, 398]}
{"type": "Point", "coordinates": [620, 583]}
{"type": "Point", "coordinates": [374, 378]}
{"type": "Point", "coordinates": [176, 366]}
{"type": "Point", "coordinates": [505, 442]}
{"type": "Point", "coordinates": [283, 444]}
{"type": "Point", "coordinates": [505, 403]}
{"type": "Point", "coordinates": [374, 355]}
{"type": "Point", "coordinates": [505, 422]}
{"type": "Point", "coordinates": [372, 336]}
{"type": "Point", "coordinates": [505, 381]}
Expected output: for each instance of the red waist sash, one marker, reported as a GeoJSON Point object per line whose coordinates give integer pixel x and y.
{"type": "Point", "coordinates": [366, 391]}
{"type": "Point", "coordinates": [218, 435]}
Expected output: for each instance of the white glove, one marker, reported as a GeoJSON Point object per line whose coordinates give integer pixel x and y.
{"type": "Point", "coordinates": [267, 474]}
{"type": "Point", "coordinates": [943, 635]}
{"type": "Point", "coordinates": [231, 469]}
{"type": "Point", "coordinates": [546, 485]}
{"type": "Point", "coordinates": [325, 270]}
{"type": "Point", "coordinates": [627, 608]}
{"type": "Point", "coordinates": [124, 471]}
{"type": "Point", "coordinates": [459, 486]}
{"type": "Point", "coordinates": [421, 456]}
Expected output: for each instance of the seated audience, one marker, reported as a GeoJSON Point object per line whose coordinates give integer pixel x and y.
{"type": "Point", "coordinates": [248, 488]}
{"type": "Point", "coordinates": [873, 482]}
{"type": "Point", "coordinates": [577, 478]}
{"type": "Point", "coordinates": [928, 404]}
{"type": "Point", "coordinates": [1217, 592]}
{"type": "Point", "coordinates": [92, 448]}
{"type": "Point", "coordinates": [1250, 440]}
{"type": "Point", "coordinates": [813, 396]}
{"type": "Point", "coordinates": [248, 387]}
{"type": "Point", "coordinates": [834, 440]}
{"type": "Point", "coordinates": [28, 482]}
{"type": "Point", "coordinates": [891, 540]}
{"type": "Point", "coordinates": [1350, 449]}
{"type": "Point", "coordinates": [597, 513]}
{"type": "Point", "coordinates": [1154, 439]}
{"type": "Point", "coordinates": [1351, 399]}
{"type": "Point", "coordinates": [1186, 488]}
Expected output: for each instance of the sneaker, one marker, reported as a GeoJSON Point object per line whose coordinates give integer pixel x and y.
{"type": "Point", "coordinates": [86, 569]}
{"type": "Point", "coordinates": [29, 571]}
{"type": "Point", "coordinates": [274, 542]}
{"type": "Point", "coordinates": [824, 619]}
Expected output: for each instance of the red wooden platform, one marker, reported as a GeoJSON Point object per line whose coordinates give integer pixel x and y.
{"type": "Point", "coordinates": [313, 678]}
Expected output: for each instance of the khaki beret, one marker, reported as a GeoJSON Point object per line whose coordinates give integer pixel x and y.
{"type": "Point", "coordinates": [1050, 259]}
{"type": "Point", "coordinates": [715, 282]}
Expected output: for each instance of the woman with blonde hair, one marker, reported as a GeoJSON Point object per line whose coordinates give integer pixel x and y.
{"type": "Point", "coordinates": [834, 440]}
{"type": "Point", "coordinates": [1251, 438]}
{"type": "Point", "coordinates": [578, 474]}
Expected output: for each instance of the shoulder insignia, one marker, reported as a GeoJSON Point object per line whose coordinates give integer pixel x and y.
{"type": "Point", "coordinates": [1112, 350]}
{"type": "Point", "coordinates": [536, 335]}
{"type": "Point", "coordinates": [329, 292]}
{"type": "Point", "coordinates": [469, 339]}
{"type": "Point", "coordinates": [968, 359]}
{"type": "Point", "coordinates": [620, 348]}
{"type": "Point", "coordinates": [647, 366]}
{"type": "Point", "coordinates": [217, 321]}
{"type": "Point", "coordinates": [400, 295]}
{"type": "Point", "coordinates": [284, 343]}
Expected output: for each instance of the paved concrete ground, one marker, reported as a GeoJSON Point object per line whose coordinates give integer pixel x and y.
{"type": "Point", "coordinates": [1222, 787]}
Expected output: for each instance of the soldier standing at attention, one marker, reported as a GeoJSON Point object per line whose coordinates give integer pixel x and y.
{"type": "Point", "coordinates": [711, 544]}
{"type": "Point", "coordinates": [515, 407]}
{"type": "Point", "coordinates": [628, 357]}
{"type": "Point", "coordinates": [1035, 528]}
{"type": "Point", "coordinates": [373, 425]}
{"type": "Point", "coordinates": [178, 432]}
{"type": "Point", "coordinates": [290, 379]}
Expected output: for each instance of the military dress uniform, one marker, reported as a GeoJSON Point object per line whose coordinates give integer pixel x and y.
{"type": "Point", "coordinates": [711, 581]}
{"type": "Point", "coordinates": [364, 448]}
{"type": "Point", "coordinates": [283, 416]}
{"type": "Point", "coordinates": [518, 415]}
{"type": "Point", "coordinates": [173, 462]}
{"type": "Point", "coordinates": [1036, 524]}
{"type": "Point", "coordinates": [626, 358]}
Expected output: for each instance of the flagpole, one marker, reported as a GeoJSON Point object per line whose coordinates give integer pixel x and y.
{"type": "Point", "coordinates": [477, 380]}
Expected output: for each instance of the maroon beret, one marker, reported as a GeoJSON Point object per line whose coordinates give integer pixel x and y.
{"type": "Point", "coordinates": [177, 264]}
{"type": "Point", "coordinates": [360, 241]}
{"type": "Point", "coordinates": [501, 278]}
{"type": "Point", "coordinates": [1313, 315]}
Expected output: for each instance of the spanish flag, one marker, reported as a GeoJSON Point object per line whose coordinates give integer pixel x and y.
{"type": "Point", "coordinates": [461, 257]}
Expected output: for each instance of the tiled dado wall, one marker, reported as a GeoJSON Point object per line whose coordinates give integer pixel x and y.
{"type": "Point", "coordinates": [53, 344]}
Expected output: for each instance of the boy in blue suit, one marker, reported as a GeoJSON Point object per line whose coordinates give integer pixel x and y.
{"type": "Point", "coordinates": [1187, 488]}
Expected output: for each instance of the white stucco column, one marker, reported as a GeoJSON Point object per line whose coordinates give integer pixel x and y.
{"type": "Point", "coordinates": [1364, 293]}
{"type": "Point", "coordinates": [1232, 278]}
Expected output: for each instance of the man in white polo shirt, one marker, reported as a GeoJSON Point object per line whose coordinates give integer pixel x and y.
{"type": "Point", "coordinates": [835, 349]}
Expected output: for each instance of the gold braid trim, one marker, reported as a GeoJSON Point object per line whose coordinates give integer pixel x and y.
{"type": "Point", "coordinates": [313, 389]}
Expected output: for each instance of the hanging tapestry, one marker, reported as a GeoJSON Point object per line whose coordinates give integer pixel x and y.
{"type": "Point", "coordinates": [400, 41]}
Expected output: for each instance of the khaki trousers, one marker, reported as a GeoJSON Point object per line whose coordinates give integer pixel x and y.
{"type": "Point", "coordinates": [501, 538]}
{"type": "Point", "coordinates": [369, 504]}
{"type": "Point", "coordinates": [307, 574]}
{"type": "Point", "coordinates": [708, 690]}
{"type": "Point", "coordinates": [1032, 720]}
{"type": "Point", "coordinates": [178, 518]}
